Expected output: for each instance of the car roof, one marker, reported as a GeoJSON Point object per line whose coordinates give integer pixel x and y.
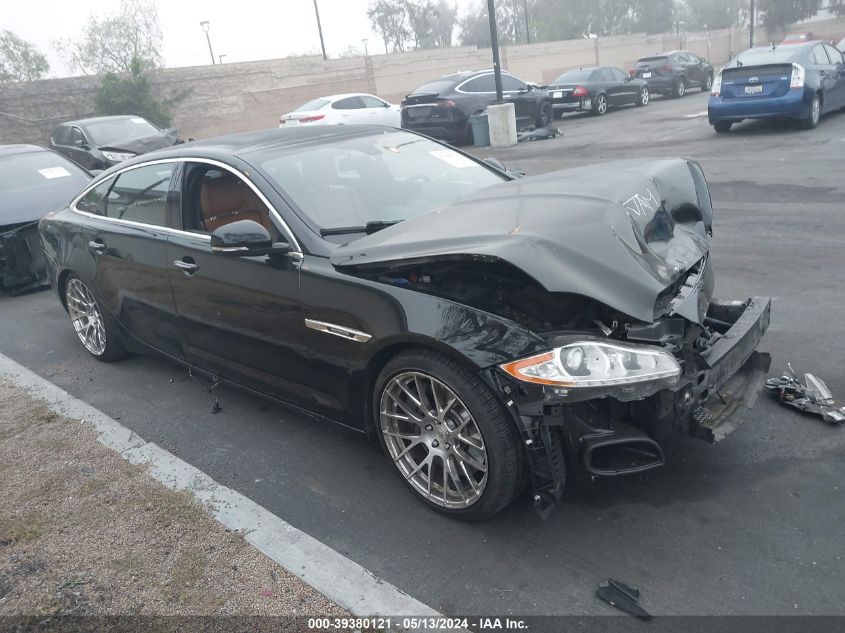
{"type": "Point", "coordinates": [21, 148]}
{"type": "Point", "coordinates": [98, 119]}
{"type": "Point", "coordinates": [346, 95]}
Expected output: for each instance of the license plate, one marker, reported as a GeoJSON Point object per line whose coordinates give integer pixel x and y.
{"type": "Point", "coordinates": [416, 113]}
{"type": "Point", "coordinates": [753, 90]}
{"type": "Point", "coordinates": [566, 106]}
{"type": "Point", "coordinates": [587, 104]}
{"type": "Point", "coordinates": [646, 75]}
{"type": "Point", "coordinates": [291, 122]}
{"type": "Point", "coordinates": [557, 95]}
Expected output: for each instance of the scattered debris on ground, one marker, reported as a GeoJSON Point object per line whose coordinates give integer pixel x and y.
{"type": "Point", "coordinates": [538, 134]}
{"type": "Point", "coordinates": [623, 597]}
{"type": "Point", "coordinates": [811, 396]}
{"type": "Point", "coordinates": [83, 532]}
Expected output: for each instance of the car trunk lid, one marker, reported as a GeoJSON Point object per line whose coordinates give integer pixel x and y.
{"type": "Point", "coordinates": [748, 82]}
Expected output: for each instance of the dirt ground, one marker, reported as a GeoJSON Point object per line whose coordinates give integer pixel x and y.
{"type": "Point", "coordinates": [85, 533]}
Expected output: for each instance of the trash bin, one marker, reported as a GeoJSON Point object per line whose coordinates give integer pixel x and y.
{"type": "Point", "coordinates": [480, 130]}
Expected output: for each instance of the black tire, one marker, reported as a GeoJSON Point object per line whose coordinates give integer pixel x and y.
{"type": "Point", "coordinates": [815, 115]}
{"type": "Point", "coordinates": [599, 105]}
{"type": "Point", "coordinates": [643, 98]}
{"type": "Point", "coordinates": [506, 467]}
{"type": "Point", "coordinates": [722, 127]}
{"type": "Point", "coordinates": [708, 83]}
{"type": "Point", "coordinates": [546, 114]}
{"type": "Point", "coordinates": [680, 88]}
{"type": "Point", "coordinates": [113, 349]}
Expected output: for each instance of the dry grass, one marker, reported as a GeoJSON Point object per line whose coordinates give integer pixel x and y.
{"type": "Point", "coordinates": [84, 532]}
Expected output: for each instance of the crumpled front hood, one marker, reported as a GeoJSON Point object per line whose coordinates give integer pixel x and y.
{"type": "Point", "coordinates": [143, 145]}
{"type": "Point", "coordinates": [621, 233]}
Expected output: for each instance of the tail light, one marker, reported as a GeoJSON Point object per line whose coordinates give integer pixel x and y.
{"type": "Point", "coordinates": [446, 103]}
{"type": "Point", "coordinates": [311, 119]}
{"type": "Point", "coordinates": [632, 73]}
{"type": "Point", "coordinates": [580, 91]}
{"type": "Point", "coordinates": [798, 74]}
{"type": "Point", "coordinates": [717, 85]}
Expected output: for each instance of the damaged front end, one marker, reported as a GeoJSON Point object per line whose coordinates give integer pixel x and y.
{"type": "Point", "coordinates": [22, 265]}
{"type": "Point", "coordinates": [609, 265]}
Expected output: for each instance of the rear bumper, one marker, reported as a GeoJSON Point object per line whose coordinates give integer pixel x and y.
{"type": "Point", "coordinates": [793, 105]}
{"type": "Point", "coordinates": [660, 84]}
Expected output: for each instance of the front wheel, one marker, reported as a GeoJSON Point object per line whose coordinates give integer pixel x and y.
{"type": "Point", "coordinates": [95, 329]}
{"type": "Point", "coordinates": [644, 98]}
{"type": "Point", "coordinates": [545, 116]}
{"type": "Point", "coordinates": [600, 106]}
{"type": "Point", "coordinates": [448, 436]}
{"type": "Point", "coordinates": [722, 127]}
{"type": "Point", "coordinates": [708, 83]}
{"type": "Point", "coordinates": [680, 88]}
{"type": "Point", "coordinates": [812, 119]}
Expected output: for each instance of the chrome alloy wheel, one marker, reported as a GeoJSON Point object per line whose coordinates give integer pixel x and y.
{"type": "Point", "coordinates": [816, 111]}
{"type": "Point", "coordinates": [433, 439]}
{"type": "Point", "coordinates": [86, 317]}
{"type": "Point", "coordinates": [644, 96]}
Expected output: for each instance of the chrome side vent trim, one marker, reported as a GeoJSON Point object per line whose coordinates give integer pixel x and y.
{"type": "Point", "coordinates": [338, 330]}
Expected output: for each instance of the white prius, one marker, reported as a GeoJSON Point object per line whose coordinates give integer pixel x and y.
{"type": "Point", "coordinates": [345, 109]}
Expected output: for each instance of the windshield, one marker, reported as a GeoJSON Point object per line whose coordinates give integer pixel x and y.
{"type": "Point", "coordinates": [104, 133]}
{"type": "Point", "coordinates": [434, 87]}
{"type": "Point", "coordinates": [763, 56]}
{"type": "Point", "coordinates": [377, 178]}
{"type": "Point", "coordinates": [314, 104]}
{"type": "Point", "coordinates": [573, 76]}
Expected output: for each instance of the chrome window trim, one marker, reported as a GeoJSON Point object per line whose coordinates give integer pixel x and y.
{"type": "Point", "coordinates": [297, 249]}
{"type": "Point", "coordinates": [338, 330]}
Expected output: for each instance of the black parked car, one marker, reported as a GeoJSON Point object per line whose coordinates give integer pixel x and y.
{"type": "Point", "coordinates": [490, 332]}
{"type": "Point", "coordinates": [596, 89]}
{"type": "Point", "coordinates": [100, 142]}
{"type": "Point", "coordinates": [33, 182]}
{"type": "Point", "coordinates": [674, 73]}
{"type": "Point", "coordinates": [441, 108]}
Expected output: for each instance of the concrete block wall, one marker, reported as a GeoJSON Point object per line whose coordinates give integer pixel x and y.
{"type": "Point", "coordinates": [252, 95]}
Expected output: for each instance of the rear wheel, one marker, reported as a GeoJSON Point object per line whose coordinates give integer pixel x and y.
{"type": "Point", "coordinates": [545, 116]}
{"type": "Point", "coordinates": [600, 106]}
{"type": "Point", "coordinates": [722, 126]}
{"type": "Point", "coordinates": [644, 97]}
{"type": "Point", "coordinates": [450, 439]}
{"type": "Point", "coordinates": [95, 329]}
{"type": "Point", "coordinates": [680, 87]}
{"type": "Point", "coordinates": [708, 83]}
{"type": "Point", "coordinates": [812, 119]}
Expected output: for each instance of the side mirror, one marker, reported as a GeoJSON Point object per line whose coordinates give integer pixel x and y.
{"type": "Point", "coordinates": [80, 143]}
{"type": "Point", "coordinates": [495, 163]}
{"type": "Point", "coordinates": [244, 238]}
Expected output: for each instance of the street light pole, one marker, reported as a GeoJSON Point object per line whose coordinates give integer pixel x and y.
{"type": "Point", "coordinates": [753, 20]}
{"type": "Point", "coordinates": [204, 24]}
{"type": "Point", "coordinates": [320, 29]}
{"type": "Point", "coordinates": [527, 28]}
{"type": "Point", "coordinates": [494, 43]}
{"type": "Point", "coordinates": [220, 57]}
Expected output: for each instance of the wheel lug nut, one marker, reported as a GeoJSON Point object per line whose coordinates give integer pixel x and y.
{"type": "Point", "coordinates": [428, 427]}
{"type": "Point", "coordinates": [448, 445]}
{"type": "Point", "coordinates": [435, 443]}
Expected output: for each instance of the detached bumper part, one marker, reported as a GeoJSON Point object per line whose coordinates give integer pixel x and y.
{"type": "Point", "coordinates": [812, 397]}
{"type": "Point", "coordinates": [22, 265]}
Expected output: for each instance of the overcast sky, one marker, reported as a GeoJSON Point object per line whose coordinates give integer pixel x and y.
{"type": "Point", "coordinates": [241, 29]}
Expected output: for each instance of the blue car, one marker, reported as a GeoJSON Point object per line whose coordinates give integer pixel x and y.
{"type": "Point", "coordinates": [800, 81]}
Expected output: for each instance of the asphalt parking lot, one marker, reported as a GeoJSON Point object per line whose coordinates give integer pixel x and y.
{"type": "Point", "coordinates": [749, 526]}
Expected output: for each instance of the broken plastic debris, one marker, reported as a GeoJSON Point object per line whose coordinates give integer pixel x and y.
{"type": "Point", "coordinates": [623, 597]}
{"type": "Point", "coordinates": [540, 134]}
{"type": "Point", "coordinates": [217, 407]}
{"type": "Point", "coordinates": [813, 396]}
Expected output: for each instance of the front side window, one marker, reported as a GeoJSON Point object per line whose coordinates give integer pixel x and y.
{"type": "Point", "coordinates": [140, 195]}
{"type": "Point", "coordinates": [618, 75]}
{"type": "Point", "coordinates": [214, 197]}
{"type": "Point", "coordinates": [512, 84]}
{"type": "Point", "coordinates": [834, 54]}
{"type": "Point", "coordinates": [96, 201]}
{"type": "Point", "coordinates": [61, 136]}
{"type": "Point", "coordinates": [382, 177]}
{"type": "Point", "coordinates": [372, 102]}
{"type": "Point", "coordinates": [819, 56]}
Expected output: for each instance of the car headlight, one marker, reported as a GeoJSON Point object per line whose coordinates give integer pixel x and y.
{"type": "Point", "coordinates": [595, 364]}
{"type": "Point", "coordinates": [118, 156]}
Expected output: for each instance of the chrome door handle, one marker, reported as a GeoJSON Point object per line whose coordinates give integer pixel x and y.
{"type": "Point", "coordinates": [96, 247]}
{"type": "Point", "coordinates": [189, 268]}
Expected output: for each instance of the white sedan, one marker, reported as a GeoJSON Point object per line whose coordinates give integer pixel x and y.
{"type": "Point", "coordinates": [344, 109]}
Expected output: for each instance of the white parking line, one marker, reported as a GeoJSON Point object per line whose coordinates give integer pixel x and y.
{"type": "Point", "coordinates": [695, 115]}
{"type": "Point", "coordinates": [329, 572]}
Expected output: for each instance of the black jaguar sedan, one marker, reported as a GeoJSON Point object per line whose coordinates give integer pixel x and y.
{"type": "Point", "coordinates": [492, 333]}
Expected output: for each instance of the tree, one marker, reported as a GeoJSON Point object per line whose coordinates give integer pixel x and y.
{"type": "Point", "coordinates": [113, 43]}
{"type": "Point", "coordinates": [445, 18]}
{"type": "Point", "coordinates": [713, 14]}
{"type": "Point", "coordinates": [130, 93]}
{"type": "Point", "coordinates": [20, 60]}
{"type": "Point", "coordinates": [390, 18]}
{"type": "Point", "coordinates": [778, 14]}
{"type": "Point", "coordinates": [655, 16]}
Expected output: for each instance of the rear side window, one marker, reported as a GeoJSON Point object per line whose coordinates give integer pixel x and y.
{"type": "Point", "coordinates": [818, 56]}
{"type": "Point", "coordinates": [350, 103]}
{"type": "Point", "coordinates": [606, 75]}
{"type": "Point", "coordinates": [140, 195]}
{"type": "Point", "coordinates": [314, 104]}
{"type": "Point", "coordinates": [435, 87]}
{"type": "Point", "coordinates": [484, 83]}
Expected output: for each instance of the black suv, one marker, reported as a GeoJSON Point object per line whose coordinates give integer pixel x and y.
{"type": "Point", "coordinates": [100, 142]}
{"type": "Point", "coordinates": [674, 72]}
{"type": "Point", "coordinates": [441, 108]}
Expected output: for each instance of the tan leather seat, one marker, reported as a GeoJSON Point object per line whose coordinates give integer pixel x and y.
{"type": "Point", "coordinates": [227, 200]}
